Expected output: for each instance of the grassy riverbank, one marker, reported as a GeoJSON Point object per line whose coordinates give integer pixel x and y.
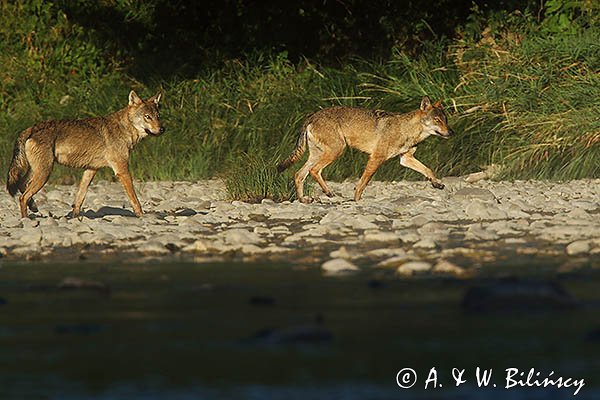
{"type": "Point", "coordinates": [517, 95]}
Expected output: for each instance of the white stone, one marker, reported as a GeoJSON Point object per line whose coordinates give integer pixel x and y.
{"type": "Point", "coordinates": [394, 261]}
{"type": "Point", "coordinates": [426, 243]}
{"type": "Point", "coordinates": [447, 267]}
{"type": "Point", "coordinates": [342, 252]}
{"type": "Point", "coordinates": [338, 265]}
{"type": "Point", "coordinates": [578, 247]}
{"type": "Point", "coordinates": [371, 236]}
{"type": "Point", "coordinates": [413, 267]}
{"type": "Point", "coordinates": [240, 237]}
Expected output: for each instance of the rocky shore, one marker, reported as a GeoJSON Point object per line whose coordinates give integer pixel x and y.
{"type": "Point", "coordinates": [405, 226]}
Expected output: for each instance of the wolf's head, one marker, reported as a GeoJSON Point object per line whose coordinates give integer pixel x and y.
{"type": "Point", "coordinates": [144, 114]}
{"type": "Point", "coordinates": [434, 119]}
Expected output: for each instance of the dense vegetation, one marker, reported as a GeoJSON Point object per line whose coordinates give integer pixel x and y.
{"type": "Point", "coordinates": [521, 86]}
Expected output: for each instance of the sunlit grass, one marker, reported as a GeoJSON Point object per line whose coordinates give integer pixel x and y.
{"type": "Point", "coordinates": [529, 103]}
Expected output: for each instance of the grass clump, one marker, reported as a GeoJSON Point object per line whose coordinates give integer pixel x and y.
{"type": "Point", "coordinates": [255, 178]}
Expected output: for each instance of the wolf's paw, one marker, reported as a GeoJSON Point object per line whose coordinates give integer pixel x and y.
{"type": "Point", "coordinates": [306, 200]}
{"type": "Point", "coordinates": [329, 194]}
{"type": "Point", "coordinates": [437, 184]}
{"type": "Point", "coordinates": [32, 206]}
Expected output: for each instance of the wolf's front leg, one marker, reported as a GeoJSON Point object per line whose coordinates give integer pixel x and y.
{"type": "Point", "coordinates": [122, 172]}
{"type": "Point", "coordinates": [409, 161]}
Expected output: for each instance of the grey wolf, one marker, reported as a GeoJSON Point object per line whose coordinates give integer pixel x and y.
{"type": "Point", "coordinates": [90, 144]}
{"type": "Point", "coordinates": [382, 135]}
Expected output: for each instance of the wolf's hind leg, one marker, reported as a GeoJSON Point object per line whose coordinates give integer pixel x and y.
{"type": "Point", "coordinates": [31, 203]}
{"type": "Point", "coordinates": [41, 160]}
{"type": "Point", "coordinates": [301, 175]}
{"type": "Point", "coordinates": [374, 162]}
{"type": "Point", "coordinates": [329, 154]}
{"type": "Point", "coordinates": [326, 158]}
{"type": "Point", "coordinates": [86, 179]}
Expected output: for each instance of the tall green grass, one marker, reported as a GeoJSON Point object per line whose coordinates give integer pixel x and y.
{"type": "Point", "coordinates": [516, 95]}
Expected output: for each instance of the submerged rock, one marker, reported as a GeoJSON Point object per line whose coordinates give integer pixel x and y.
{"type": "Point", "coordinates": [517, 295]}
{"type": "Point", "coordinates": [296, 335]}
{"type": "Point", "coordinates": [71, 283]}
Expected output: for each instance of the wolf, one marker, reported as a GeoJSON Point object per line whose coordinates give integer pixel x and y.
{"type": "Point", "coordinates": [89, 144]}
{"type": "Point", "coordinates": [382, 135]}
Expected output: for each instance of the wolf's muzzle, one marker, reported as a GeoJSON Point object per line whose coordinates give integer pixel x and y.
{"type": "Point", "coordinates": [160, 131]}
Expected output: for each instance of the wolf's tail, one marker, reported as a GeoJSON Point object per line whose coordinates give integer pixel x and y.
{"type": "Point", "coordinates": [19, 166]}
{"type": "Point", "coordinates": [297, 153]}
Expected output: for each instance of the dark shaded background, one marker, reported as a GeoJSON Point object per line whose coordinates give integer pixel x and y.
{"type": "Point", "coordinates": [166, 37]}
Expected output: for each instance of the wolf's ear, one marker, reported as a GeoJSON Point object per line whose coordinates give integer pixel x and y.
{"type": "Point", "coordinates": [134, 99]}
{"type": "Point", "coordinates": [425, 103]}
{"type": "Point", "coordinates": [438, 104]}
{"type": "Point", "coordinates": [156, 98]}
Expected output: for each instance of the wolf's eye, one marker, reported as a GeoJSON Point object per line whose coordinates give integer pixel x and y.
{"type": "Point", "coordinates": [147, 116]}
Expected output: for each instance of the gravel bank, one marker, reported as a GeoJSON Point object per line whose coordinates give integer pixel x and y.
{"type": "Point", "coordinates": [408, 226]}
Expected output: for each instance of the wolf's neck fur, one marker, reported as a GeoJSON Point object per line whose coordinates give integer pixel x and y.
{"type": "Point", "coordinates": [128, 129]}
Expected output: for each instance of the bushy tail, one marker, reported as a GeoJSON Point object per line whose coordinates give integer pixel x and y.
{"type": "Point", "coordinates": [297, 153]}
{"type": "Point", "coordinates": [19, 166]}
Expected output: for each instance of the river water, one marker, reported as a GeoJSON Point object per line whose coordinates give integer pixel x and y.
{"type": "Point", "coordinates": [262, 331]}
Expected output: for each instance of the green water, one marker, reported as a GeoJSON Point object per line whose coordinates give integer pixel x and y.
{"type": "Point", "coordinates": [188, 331]}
